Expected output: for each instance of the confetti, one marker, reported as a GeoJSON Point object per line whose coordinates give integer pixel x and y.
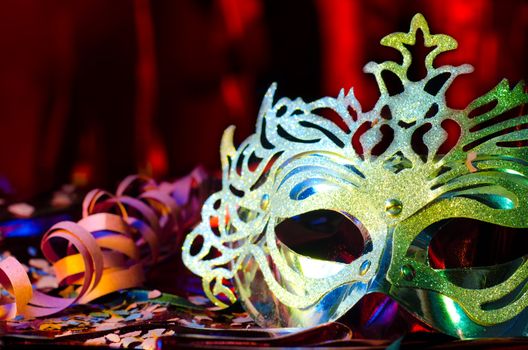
{"type": "Point", "coordinates": [146, 316]}
{"type": "Point", "coordinates": [50, 327]}
{"type": "Point", "coordinates": [244, 319]}
{"type": "Point", "coordinates": [190, 324]}
{"type": "Point", "coordinates": [132, 317]}
{"type": "Point", "coordinates": [201, 318]}
{"type": "Point", "coordinates": [131, 334]}
{"type": "Point", "coordinates": [131, 306]}
{"type": "Point", "coordinates": [198, 300]}
{"type": "Point", "coordinates": [64, 334]}
{"type": "Point", "coordinates": [108, 326]}
{"type": "Point", "coordinates": [154, 294]}
{"type": "Point", "coordinates": [151, 308]}
{"type": "Point", "coordinates": [112, 337]}
{"type": "Point", "coordinates": [157, 332]}
{"type": "Point", "coordinates": [149, 344]}
{"type": "Point", "coordinates": [100, 315]}
{"type": "Point", "coordinates": [214, 308]}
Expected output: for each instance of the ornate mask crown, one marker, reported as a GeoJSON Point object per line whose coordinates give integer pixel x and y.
{"type": "Point", "coordinates": [395, 174]}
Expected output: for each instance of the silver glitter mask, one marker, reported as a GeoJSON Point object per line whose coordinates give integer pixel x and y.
{"type": "Point", "coordinates": [394, 176]}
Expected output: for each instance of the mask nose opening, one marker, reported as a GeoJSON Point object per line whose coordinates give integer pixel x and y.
{"type": "Point", "coordinates": [325, 235]}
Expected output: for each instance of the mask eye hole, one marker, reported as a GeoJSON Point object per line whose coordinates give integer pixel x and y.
{"type": "Point", "coordinates": [461, 243]}
{"type": "Point", "coordinates": [470, 253]}
{"type": "Point", "coordinates": [325, 235]}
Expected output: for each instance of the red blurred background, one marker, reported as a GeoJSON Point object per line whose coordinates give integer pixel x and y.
{"type": "Point", "coordinates": [91, 91]}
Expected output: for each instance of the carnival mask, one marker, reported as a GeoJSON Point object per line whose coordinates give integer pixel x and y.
{"type": "Point", "coordinates": [396, 174]}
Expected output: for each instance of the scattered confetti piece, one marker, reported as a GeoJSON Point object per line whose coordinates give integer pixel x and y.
{"type": "Point", "coordinates": [122, 312]}
{"type": "Point", "coordinates": [201, 318]}
{"type": "Point", "coordinates": [158, 310]}
{"type": "Point", "coordinates": [50, 327]}
{"type": "Point", "coordinates": [153, 294]}
{"type": "Point", "coordinates": [149, 344]}
{"type": "Point", "coordinates": [108, 326]}
{"type": "Point", "coordinates": [131, 334]}
{"type": "Point", "coordinates": [112, 337]}
{"type": "Point", "coordinates": [198, 300]}
{"type": "Point", "coordinates": [100, 315]}
{"type": "Point", "coordinates": [214, 308]}
{"type": "Point", "coordinates": [64, 334]}
{"type": "Point", "coordinates": [244, 319]}
{"type": "Point", "coordinates": [190, 324]}
{"type": "Point", "coordinates": [146, 316]}
{"type": "Point", "coordinates": [157, 332]}
{"type": "Point", "coordinates": [132, 317]}
{"type": "Point", "coordinates": [151, 308]}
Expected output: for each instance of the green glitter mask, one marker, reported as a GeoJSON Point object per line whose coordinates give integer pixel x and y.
{"type": "Point", "coordinates": [394, 193]}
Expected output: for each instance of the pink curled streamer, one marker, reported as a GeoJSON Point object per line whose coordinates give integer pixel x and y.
{"type": "Point", "coordinates": [107, 250]}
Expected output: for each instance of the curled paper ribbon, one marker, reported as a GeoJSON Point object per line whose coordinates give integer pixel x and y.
{"type": "Point", "coordinates": [109, 247]}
